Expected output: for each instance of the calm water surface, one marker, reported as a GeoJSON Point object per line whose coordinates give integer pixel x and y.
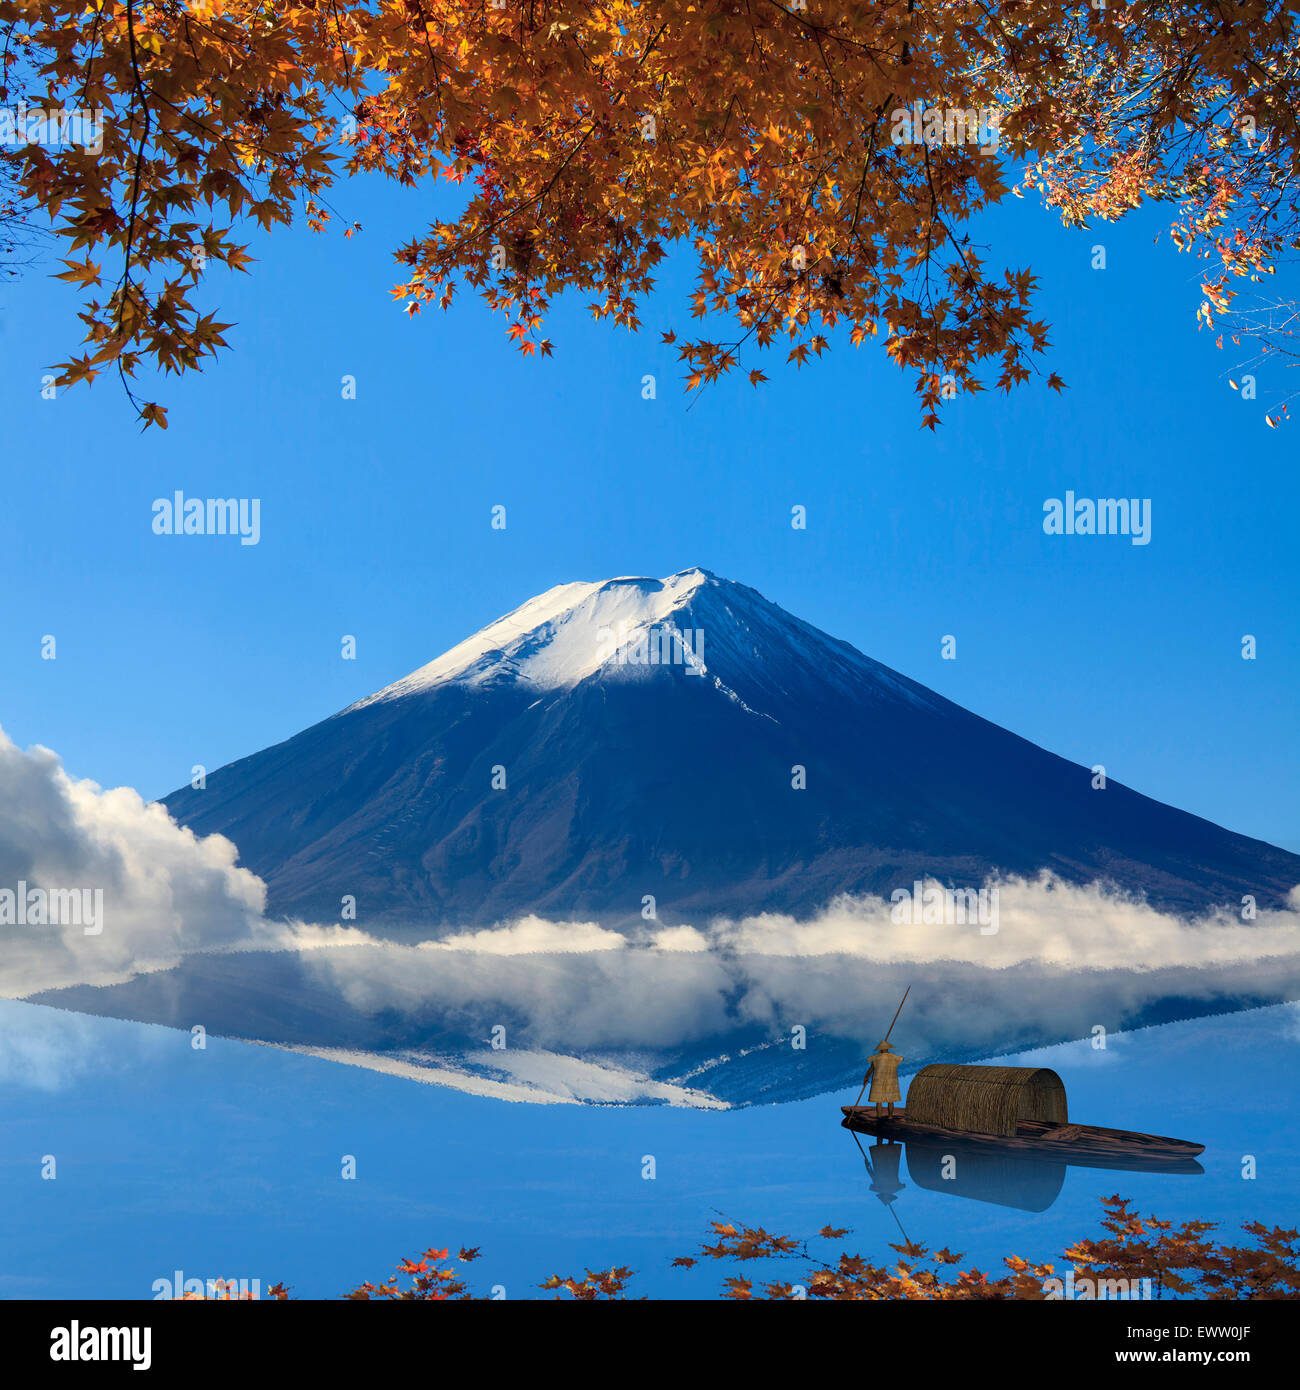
{"type": "Point", "coordinates": [227, 1162]}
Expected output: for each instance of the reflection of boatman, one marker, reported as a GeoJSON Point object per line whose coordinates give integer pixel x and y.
{"type": "Point", "coordinates": [884, 1171]}
{"type": "Point", "coordinates": [882, 1072]}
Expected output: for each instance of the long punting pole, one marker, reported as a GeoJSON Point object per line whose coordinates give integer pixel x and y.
{"type": "Point", "coordinates": [897, 1011]}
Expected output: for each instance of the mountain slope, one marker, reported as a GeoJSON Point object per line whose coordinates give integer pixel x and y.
{"type": "Point", "coordinates": [627, 777]}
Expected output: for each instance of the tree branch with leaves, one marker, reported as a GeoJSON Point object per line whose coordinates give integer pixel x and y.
{"type": "Point", "coordinates": [591, 139]}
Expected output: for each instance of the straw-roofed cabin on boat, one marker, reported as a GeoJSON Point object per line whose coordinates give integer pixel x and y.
{"type": "Point", "coordinates": [986, 1100]}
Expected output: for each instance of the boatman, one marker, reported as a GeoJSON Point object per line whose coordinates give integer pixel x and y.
{"type": "Point", "coordinates": [882, 1072]}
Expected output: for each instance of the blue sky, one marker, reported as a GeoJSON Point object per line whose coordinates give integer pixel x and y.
{"type": "Point", "coordinates": [375, 513]}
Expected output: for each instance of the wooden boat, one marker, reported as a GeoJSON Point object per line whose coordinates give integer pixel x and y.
{"type": "Point", "coordinates": [1074, 1143]}
{"type": "Point", "coordinates": [1012, 1110]}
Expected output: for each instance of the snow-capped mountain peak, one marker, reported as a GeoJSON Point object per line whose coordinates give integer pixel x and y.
{"type": "Point", "coordinates": [567, 634]}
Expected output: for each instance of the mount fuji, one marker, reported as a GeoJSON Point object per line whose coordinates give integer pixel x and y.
{"type": "Point", "coordinates": [683, 739]}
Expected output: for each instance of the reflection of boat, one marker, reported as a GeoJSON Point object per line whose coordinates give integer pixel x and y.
{"type": "Point", "coordinates": [1004, 1178]}
{"type": "Point", "coordinates": [1013, 1111]}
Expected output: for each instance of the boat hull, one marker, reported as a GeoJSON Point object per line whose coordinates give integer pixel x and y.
{"type": "Point", "coordinates": [1089, 1146]}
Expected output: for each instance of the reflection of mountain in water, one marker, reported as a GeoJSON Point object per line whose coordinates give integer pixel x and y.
{"type": "Point", "coordinates": [684, 1026]}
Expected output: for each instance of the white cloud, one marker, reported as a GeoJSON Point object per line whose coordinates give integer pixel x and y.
{"type": "Point", "coordinates": [1064, 957]}
{"type": "Point", "coordinates": [166, 891]}
{"type": "Point", "coordinates": [533, 935]}
{"type": "Point", "coordinates": [563, 985]}
{"type": "Point", "coordinates": [1043, 921]}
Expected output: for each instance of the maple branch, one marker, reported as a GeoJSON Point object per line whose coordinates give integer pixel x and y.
{"type": "Point", "coordinates": [138, 90]}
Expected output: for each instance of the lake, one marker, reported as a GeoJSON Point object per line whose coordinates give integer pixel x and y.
{"type": "Point", "coordinates": [227, 1162]}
